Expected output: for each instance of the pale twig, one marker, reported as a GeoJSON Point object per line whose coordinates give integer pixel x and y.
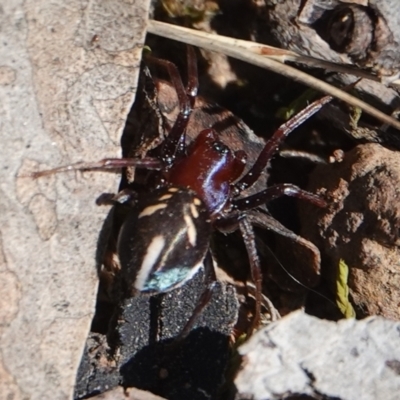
{"type": "Point", "coordinates": [269, 58]}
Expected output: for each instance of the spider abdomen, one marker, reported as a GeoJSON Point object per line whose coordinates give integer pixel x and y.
{"type": "Point", "coordinates": [164, 239]}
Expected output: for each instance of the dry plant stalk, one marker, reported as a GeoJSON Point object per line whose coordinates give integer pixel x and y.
{"type": "Point", "coordinates": [273, 59]}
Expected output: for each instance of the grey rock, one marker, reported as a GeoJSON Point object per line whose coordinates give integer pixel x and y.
{"type": "Point", "coordinates": [300, 354]}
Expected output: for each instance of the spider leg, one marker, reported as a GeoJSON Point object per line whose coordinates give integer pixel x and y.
{"type": "Point", "coordinates": [247, 231]}
{"type": "Point", "coordinates": [273, 192]}
{"type": "Point", "coordinates": [174, 144]}
{"type": "Point", "coordinates": [308, 271]}
{"type": "Point", "coordinates": [193, 78]}
{"type": "Point", "coordinates": [210, 281]}
{"type": "Point", "coordinates": [104, 164]}
{"type": "Point", "coordinates": [277, 138]}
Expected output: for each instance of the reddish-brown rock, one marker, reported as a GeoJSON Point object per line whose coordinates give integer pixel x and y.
{"type": "Point", "coordinates": [361, 226]}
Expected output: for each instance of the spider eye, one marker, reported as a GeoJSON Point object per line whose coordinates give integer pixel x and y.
{"type": "Point", "coordinates": [164, 240]}
{"type": "Point", "coordinates": [220, 147]}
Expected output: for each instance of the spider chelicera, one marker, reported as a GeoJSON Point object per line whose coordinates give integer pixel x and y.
{"type": "Point", "coordinates": [195, 188]}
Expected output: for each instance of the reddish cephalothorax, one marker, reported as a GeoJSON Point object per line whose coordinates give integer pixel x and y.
{"type": "Point", "coordinates": [196, 188]}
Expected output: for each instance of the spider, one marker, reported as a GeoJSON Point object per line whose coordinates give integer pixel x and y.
{"type": "Point", "coordinates": [195, 188]}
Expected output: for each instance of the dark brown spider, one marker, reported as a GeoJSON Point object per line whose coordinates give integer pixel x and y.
{"type": "Point", "coordinates": [192, 189]}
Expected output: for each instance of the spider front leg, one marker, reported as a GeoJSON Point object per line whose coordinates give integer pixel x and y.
{"type": "Point", "coordinates": [104, 164]}
{"type": "Point", "coordinates": [274, 192]}
{"type": "Point", "coordinates": [174, 145]}
{"type": "Point", "coordinates": [276, 140]}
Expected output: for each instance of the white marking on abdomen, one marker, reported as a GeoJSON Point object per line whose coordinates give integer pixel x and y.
{"type": "Point", "coordinates": [154, 250]}
{"type": "Point", "coordinates": [150, 210]}
{"type": "Point", "coordinates": [194, 211]}
{"type": "Point", "coordinates": [165, 197]}
{"type": "Point", "coordinates": [191, 230]}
